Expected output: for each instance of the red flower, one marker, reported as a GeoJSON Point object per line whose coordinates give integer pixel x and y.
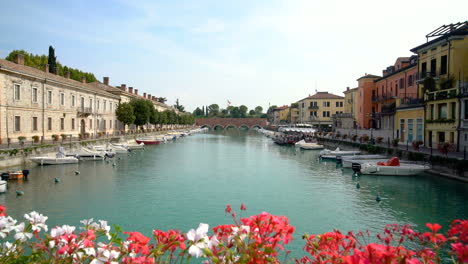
{"type": "Point", "coordinates": [461, 251]}
{"type": "Point", "coordinates": [228, 209]}
{"type": "Point", "coordinates": [2, 210]}
{"type": "Point", "coordinates": [242, 207]}
{"type": "Point", "coordinates": [434, 237]}
{"type": "Point", "coordinates": [139, 242]}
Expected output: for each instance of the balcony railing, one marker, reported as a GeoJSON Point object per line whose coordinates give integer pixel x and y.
{"type": "Point", "coordinates": [441, 94]}
{"type": "Point", "coordinates": [314, 107]}
{"type": "Point", "coordinates": [85, 111]}
{"type": "Point", "coordinates": [388, 109]}
{"type": "Point", "coordinates": [409, 100]}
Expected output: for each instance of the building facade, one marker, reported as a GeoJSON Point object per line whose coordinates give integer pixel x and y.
{"type": "Point", "coordinates": [281, 115]}
{"type": "Point", "coordinates": [366, 86]}
{"type": "Point", "coordinates": [319, 108]}
{"type": "Point", "coordinates": [35, 103]}
{"type": "Point", "coordinates": [443, 73]}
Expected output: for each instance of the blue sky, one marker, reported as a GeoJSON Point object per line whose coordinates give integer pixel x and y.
{"type": "Point", "coordinates": [206, 51]}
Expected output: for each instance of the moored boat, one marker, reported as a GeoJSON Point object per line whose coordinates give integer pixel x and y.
{"type": "Point", "coordinates": [332, 154]}
{"type": "Point", "coordinates": [308, 145]}
{"type": "Point", "coordinates": [60, 158]}
{"type": "Point", "coordinates": [348, 161]}
{"type": "Point", "coordinates": [89, 155]}
{"type": "Point", "coordinates": [392, 167]}
{"type": "Point", "coordinates": [3, 186]}
{"type": "Point", "coordinates": [148, 141]}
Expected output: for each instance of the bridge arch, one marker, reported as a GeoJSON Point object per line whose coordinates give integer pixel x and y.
{"type": "Point", "coordinates": [209, 127]}
{"type": "Point", "coordinates": [230, 126]}
{"type": "Point", "coordinates": [256, 126]}
{"type": "Point", "coordinates": [214, 122]}
{"type": "Point", "coordinates": [218, 127]}
{"type": "Point", "coordinates": [244, 126]}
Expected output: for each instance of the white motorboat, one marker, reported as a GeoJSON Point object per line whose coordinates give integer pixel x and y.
{"type": "Point", "coordinates": [60, 158]}
{"type": "Point", "coordinates": [111, 149]}
{"type": "Point", "coordinates": [332, 154]}
{"type": "Point", "coordinates": [348, 161]}
{"type": "Point", "coordinates": [129, 145]}
{"type": "Point", "coordinates": [89, 155]}
{"type": "Point", "coordinates": [3, 186]}
{"type": "Point", "coordinates": [392, 167]}
{"type": "Point", "coordinates": [308, 145]}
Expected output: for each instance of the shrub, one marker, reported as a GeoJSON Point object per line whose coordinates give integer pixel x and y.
{"type": "Point", "coordinates": [365, 138]}
{"type": "Point", "coordinates": [379, 140]}
{"type": "Point", "coordinates": [35, 139]}
{"type": "Point", "coordinates": [55, 137]}
{"type": "Point", "coordinates": [64, 136]}
{"type": "Point", "coordinates": [416, 143]}
{"type": "Point", "coordinates": [21, 139]}
{"type": "Point", "coordinates": [354, 137]}
{"type": "Point", "coordinates": [395, 142]}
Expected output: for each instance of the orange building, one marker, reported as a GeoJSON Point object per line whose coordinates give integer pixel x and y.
{"type": "Point", "coordinates": [398, 81]}
{"type": "Point", "coordinates": [364, 111]}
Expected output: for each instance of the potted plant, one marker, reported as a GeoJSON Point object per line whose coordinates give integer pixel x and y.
{"type": "Point", "coordinates": [415, 144]}
{"type": "Point", "coordinates": [86, 135]}
{"type": "Point", "coordinates": [63, 137]}
{"type": "Point", "coordinates": [345, 136]}
{"type": "Point", "coordinates": [444, 148]}
{"type": "Point", "coordinates": [395, 142]}
{"type": "Point", "coordinates": [21, 140]}
{"type": "Point", "coordinates": [365, 138]}
{"type": "Point", "coordinates": [55, 137]}
{"type": "Point", "coordinates": [379, 140]}
{"type": "Point", "coordinates": [35, 139]}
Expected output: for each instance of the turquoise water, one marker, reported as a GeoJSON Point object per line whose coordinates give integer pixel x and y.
{"type": "Point", "coordinates": [178, 185]}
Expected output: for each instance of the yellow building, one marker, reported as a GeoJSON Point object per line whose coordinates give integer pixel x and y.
{"type": "Point", "coordinates": [281, 115]}
{"type": "Point", "coordinates": [319, 108]}
{"type": "Point", "coordinates": [294, 114]}
{"type": "Point", "coordinates": [409, 120]}
{"type": "Point", "coordinates": [442, 72]}
{"type": "Point", "coordinates": [350, 103]}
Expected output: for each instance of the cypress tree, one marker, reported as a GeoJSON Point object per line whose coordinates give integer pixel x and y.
{"type": "Point", "coordinates": [52, 60]}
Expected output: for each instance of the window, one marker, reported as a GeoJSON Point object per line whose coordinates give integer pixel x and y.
{"type": "Point", "coordinates": [97, 105]}
{"type": "Point", "coordinates": [402, 83]}
{"type": "Point", "coordinates": [73, 123]}
{"type": "Point", "coordinates": [91, 103]}
{"type": "Point", "coordinates": [34, 123]}
{"type": "Point", "coordinates": [82, 102]}
{"type": "Point", "coordinates": [62, 123]}
{"type": "Point", "coordinates": [104, 124]}
{"type": "Point", "coordinates": [466, 110]}
{"type": "Point", "coordinates": [110, 106]}
{"type": "Point", "coordinates": [110, 122]}
{"type": "Point", "coordinates": [453, 110]}
{"type": "Point", "coordinates": [410, 80]}
{"type": "Point", "coordinates": [432, 113]}
{"type": "Point", "coordinates": [90, 124]}
{"type": "Point", "coordinates": [326, 113]}
{"type": "Point", "coordinates": [49, 123]}
{"type": "Point", "coordinates": [49, 97]}
{"type": "Point", "coordinates": [73, 100]}
{"type": "Point", "coordinates": [17, 91]}
{"type": "Point", "coordinates": [410, 130]}
{"type": "Point", "coordinates": [34, 95]}
{"type": "Point", "coordinates": [97, 124]}
{"type": "Point", "coordinates": [326, 104]}
{"type": "Point", "coordinates": [452, 137]}
{"type": "Point", "coordinates": [442, 110]}
{"type": "Point", "coordinates": [443, 64]}
{"type": "Point", "coordinates": [423, 70]}
{"type": "Point", "coordinates": [105, 104]}
{"type": "Point", "coordinates": [433, 66]}
{"type": "Point", "coordinates": [402, 130]}
{"type": "Point", "coordinates": [62, 99]}
{"type": "Point", "coordinates": [419, 129]}
{"type": "Point", "coordinates": [17, 123]}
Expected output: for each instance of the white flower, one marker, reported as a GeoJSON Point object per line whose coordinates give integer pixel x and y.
{"type": "Point", "coordinates": [200, 240]}
{"type": "Point", "coordinates": [89, 224]}
{"type": "Point", "coordinates": [105, 256]}
{"type": "Point", "coordinates": [90, 251]}
{"type": "Point", "coordinates": [21, 234]}
{"type": "Point", "coordinates": [242, 232]}
{"type": "Point", "coordinates": [10, 248]}
{"type": "Point", "coordinates": [37, 221]}
{"type": "Point", "coordinates": [105, 227]}
{"type": "Point", "coordinates": [60, 231]}
{"type": "Point", "coordinates": [7, 224]}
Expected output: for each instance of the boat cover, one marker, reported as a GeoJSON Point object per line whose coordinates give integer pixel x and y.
{"type": "Point", "coordinates": [391, 162]}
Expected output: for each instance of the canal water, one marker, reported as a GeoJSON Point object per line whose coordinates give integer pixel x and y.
{"type": "Point", "coordinates": [181, 184]}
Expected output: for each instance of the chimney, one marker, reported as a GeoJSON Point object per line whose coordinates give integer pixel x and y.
{"type": "Point", "coordinates": [347, 88]}
{"type": "Point", "coordinates": [83, 79]}
{"type": "Point", "coordinates": [136, 91]}
{"type": "Point", "coordinates": [153, 98]}
{"type": "Point", "coordinates": [46, 68]}
{"type": "Point", "coordinates": [130, 90]}
{"type": "Point", "coordinates": [123, 87]}
{"type": "Point", "coordinates": [105, 80]}
{"type": "Point", "coordinates": [144, 95]}
{"type": "Point", "coordinates": [19, 59]}
{"type": "Point", "coordinates": [67, 75]}
{"type": "Point", "coordinates": [149, 96]}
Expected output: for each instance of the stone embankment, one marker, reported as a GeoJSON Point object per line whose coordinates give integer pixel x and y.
{"type": "Point", "coordinates": [444, 166]}
{"type": "Point", "coordinates": [19, 156]}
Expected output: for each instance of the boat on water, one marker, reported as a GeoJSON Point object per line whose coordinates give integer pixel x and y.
{"type": "Point", "coordinates": [348, 161]}
{"type": "Point", "coordinates": [148, 141]}
{"type": "Point", "coordinates": [12, 175]}
{"type": "Point", "coordinates": [308, 145]}
{"type": "Point", "coordinates": [60, 158]}
{"type": "Point", "coordinates": [392, 167]}
{"type": "Point", "coordinates": [3, 186]}
{"type": "Point", "coordinates": [111, 149]}
{"type": "Point", "coordinates": [129, 145]}
{"type": "Point", "coordinates": [86, 154]}
{"type": "Point", "coordinates": [332, 154]}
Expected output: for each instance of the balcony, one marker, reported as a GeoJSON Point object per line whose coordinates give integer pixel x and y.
{"type": "Point", "coordinates": [388, 109]}
{"type": "Point", "coordinates": [313, 107]}
{"type": "Point", "coordinates": [441, 94]}
{"type": "Point", "coordinates": [85, 111]}
{"type": "Point", "coordinates": [410, 100]}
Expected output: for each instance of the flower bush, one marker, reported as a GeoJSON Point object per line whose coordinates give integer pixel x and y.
{"type": "Point", "coordinates": [255, 239]}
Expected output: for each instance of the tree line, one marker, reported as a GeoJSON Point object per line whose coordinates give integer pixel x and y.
{"type": "Point", "coordinates": [141, 112]}
{"type": "Point", "coordinates": [242, 111]}
{"type": "Point", "coordinates": [38, 62]}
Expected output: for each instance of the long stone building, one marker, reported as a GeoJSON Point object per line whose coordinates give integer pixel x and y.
{"type": "Point", "coordinates": [39, 104]}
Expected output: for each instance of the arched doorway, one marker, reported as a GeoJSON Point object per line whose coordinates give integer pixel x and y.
{"type": "Point", "coordinates": [82, 128]}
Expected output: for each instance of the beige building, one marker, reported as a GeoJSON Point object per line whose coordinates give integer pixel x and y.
{"type": "Point", "coordinates": [319, 108]}
{"type": "Point", "coordinates": [42, 104]}
{"type": "Point", "coordinates": [281, 115]}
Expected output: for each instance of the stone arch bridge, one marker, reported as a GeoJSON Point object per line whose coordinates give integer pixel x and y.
{"type": "Point", "coordinates": [225, 123]}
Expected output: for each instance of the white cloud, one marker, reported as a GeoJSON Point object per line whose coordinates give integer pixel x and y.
{"type": "Point", "coordinates": [210, 26]}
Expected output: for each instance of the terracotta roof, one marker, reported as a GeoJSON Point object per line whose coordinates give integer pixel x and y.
{"type": "Point", "coordinates": [323, 95]}
{"type": "Point", "coordinates": [22, 69]}
{"type": "Point", "coordinates": [350, 90]}
{"type": "Point", "coordinates": [369, 76]}
{"type": "Point", "coordinates": [281, 108]}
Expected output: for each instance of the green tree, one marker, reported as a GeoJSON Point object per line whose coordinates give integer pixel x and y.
{"type": "Point", "coordinates": [162, 99]}
{"type": "Point", "coordinates": [142, 111]}
{"type": "Point", "coordinates": [270, 112]}
{"type": "Point", "coordinates": [235, 113]}
{"type": "Point", "coordinates": [198, 112]}
{"type": "Point", "coordinates": [252, 113]}
{"type": "Point", "coordinates": [258, 110]}
{"type": "Point", "coordinates": [243, 111]}
{"type": "Point", "coordinates": [124, 113]}
{"type": "Point", "coordinates": [52, 60]}
{"type": "Point", "coordinates": [213, 110]}
{"type": "Point", "coordinates": [178, 106]}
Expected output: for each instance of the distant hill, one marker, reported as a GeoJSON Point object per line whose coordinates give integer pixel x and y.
{"type": "Point", "coordinates": [38, 61]}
